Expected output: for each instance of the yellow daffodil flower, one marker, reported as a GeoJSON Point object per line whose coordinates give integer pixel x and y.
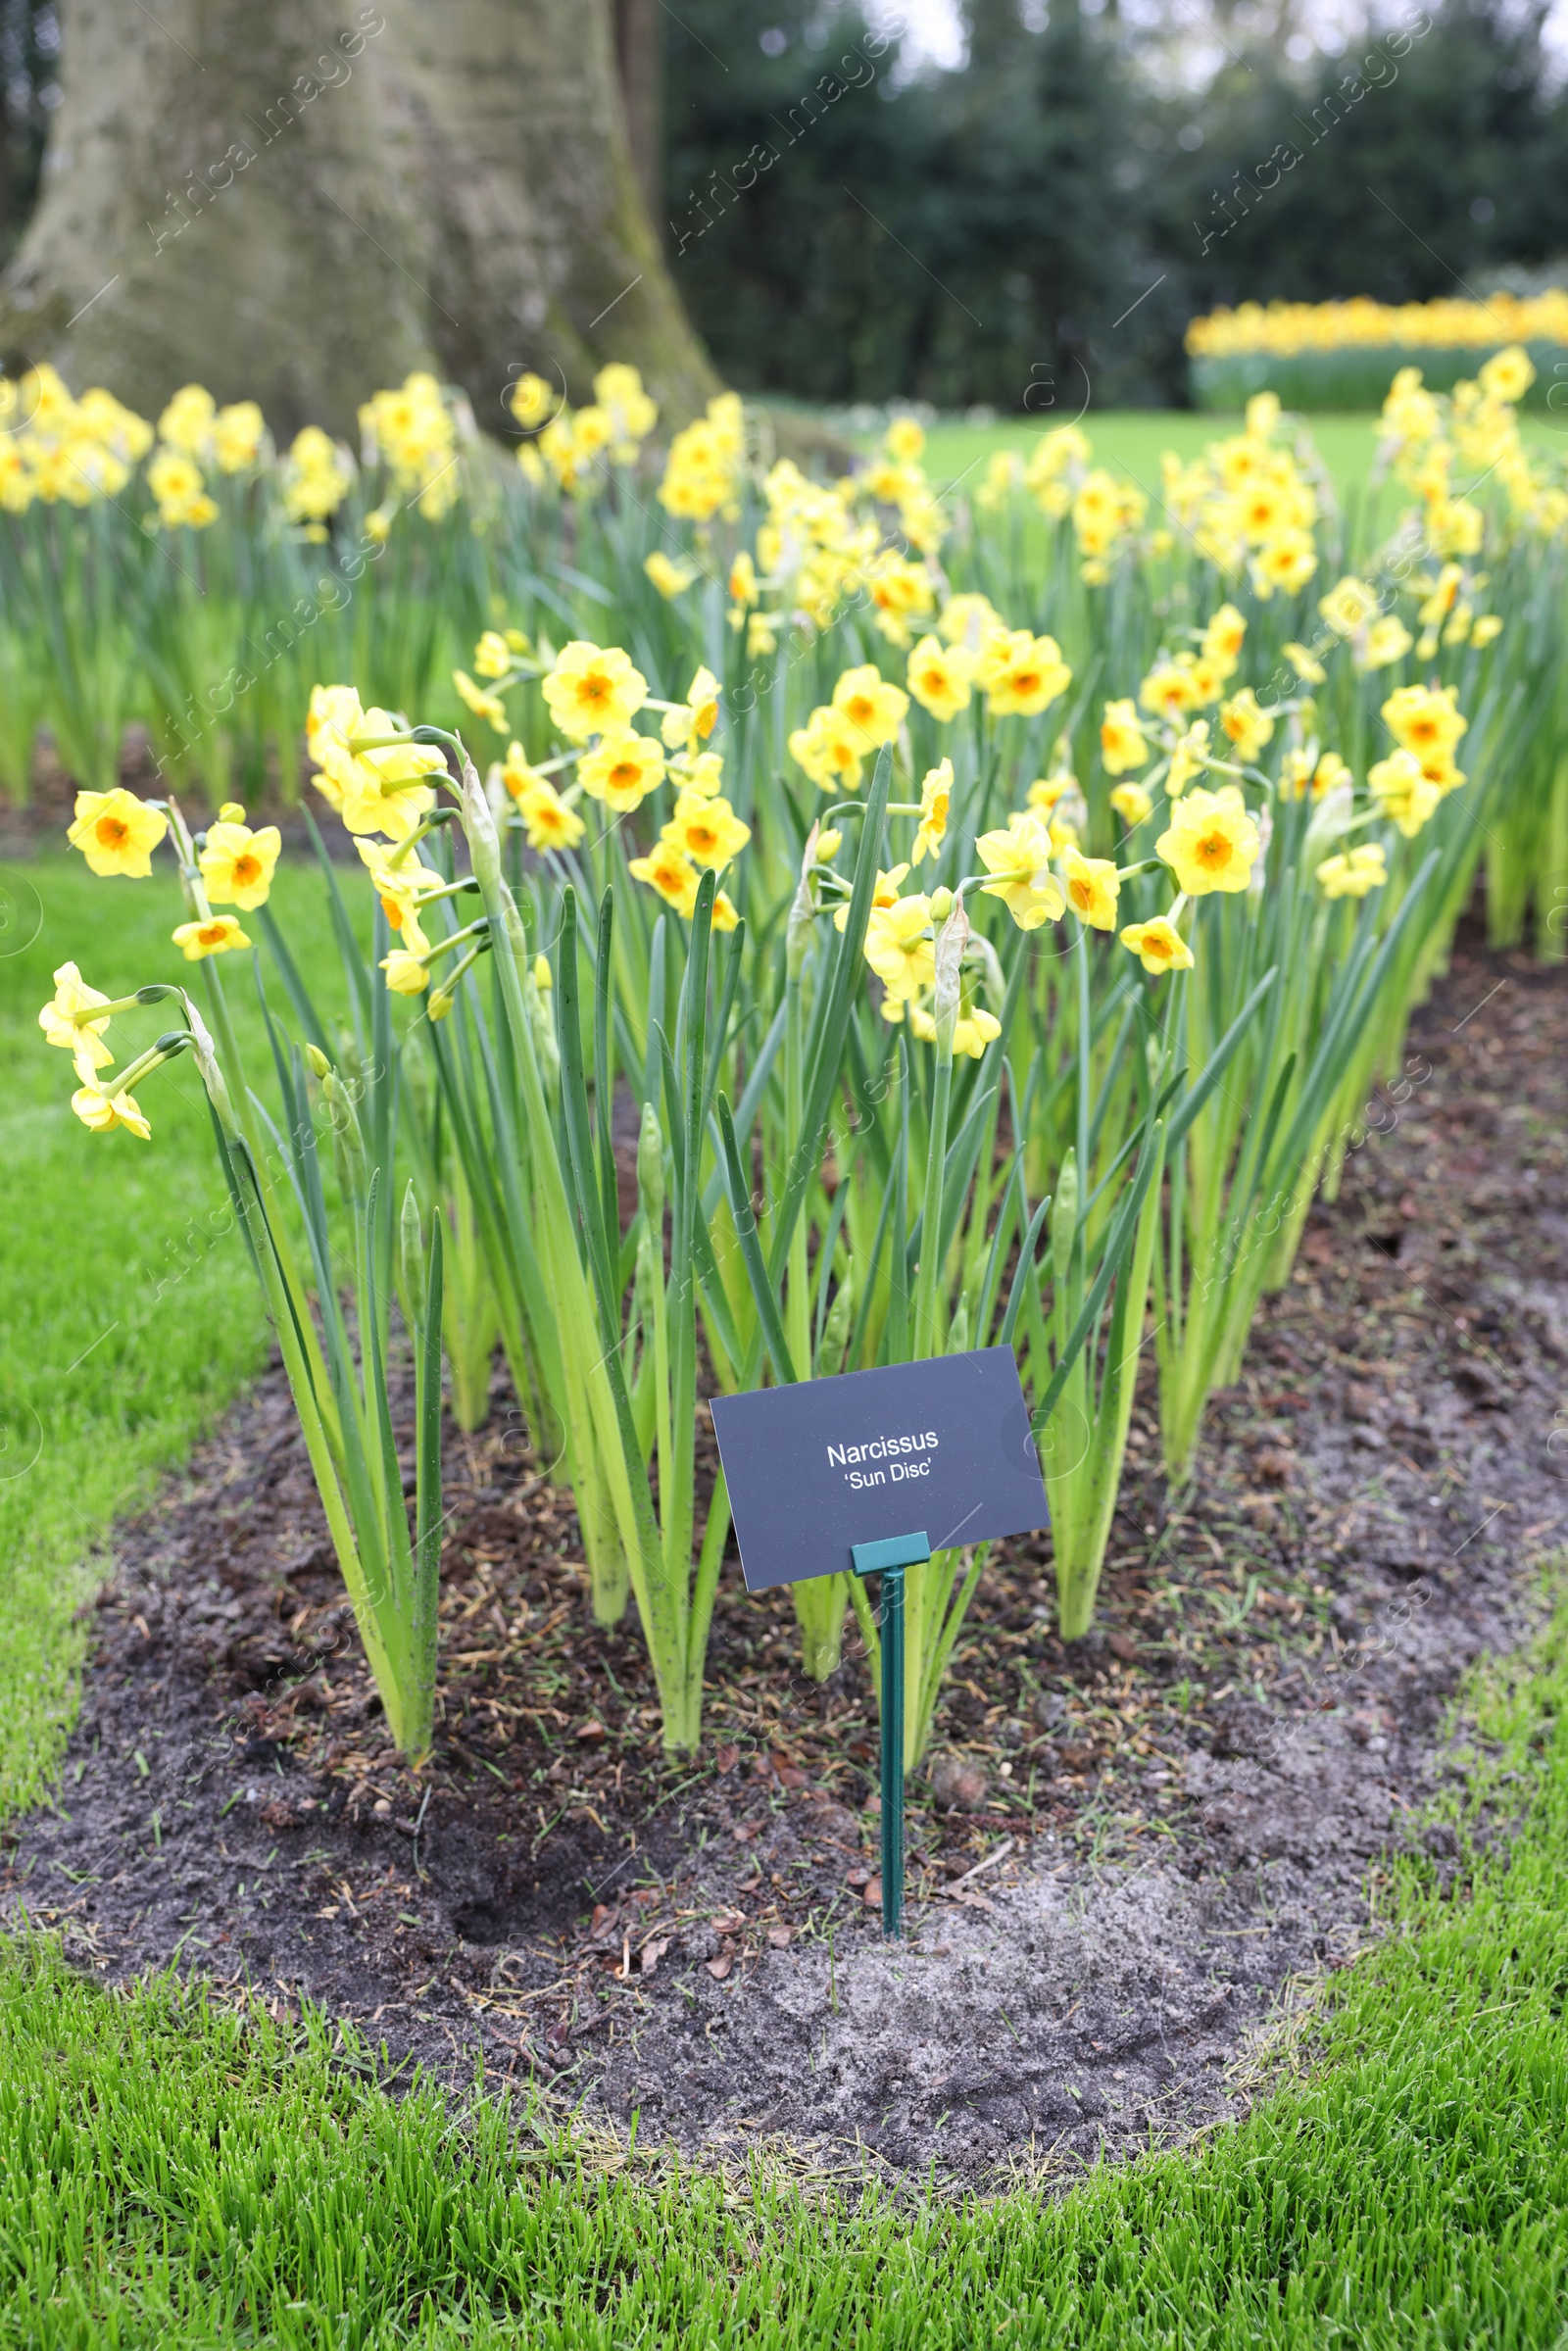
{"type": "Point", "coordinates": [1223, 639]}
{"type": "Point", "coordinates": [488, 706]}
{"type": "Point", "coordinates": [693, 721]}
{"type": "Point", "coordinates": [671, 579]}
{"type": "Point", "coordinates": [1020, 673]}
{"type": "Point", "coordinates": [899, 949]}
{"type": "Point", "coordinates": [1286, 562]}
{"type": "Point", "coordinates": [1208, 678]}
{"type": "Point", "coordinates": [1190, 757]}
{"type": "Point", "coordinates": [1092, 888]}
{"type": "Point", "coordinates": [1247, 727]}
{"type": "Point", "coordinates": [592, 689]}
{"type": "Point", "coordinates": [406, 973]}
{"type": "Point", "coordinates": [1348, 606]}
{"type": "Point", "coordinates": [237, 865]}
{"type": "Point", "coordinates": [705, 830]}
{"type": "Point", "coordinates": [238, 433]}
{"type": "Point", "coordinates": [517, 776]}
{"type": "Point", "coordinates": [884, 891]}
{"type": "Point", "coordinates": [1308, 667]}
{"type": "Point", "coordinates": [187, 423]}
{"type": "Point", "coordinates": [1171, 690]}
{"type": "Point", "coordinates": [1355, 872]}
{"type": "Point", "coordinates": [869, 705]}
{"type": "Point", "coordinates": [102, 1112]}
{"type": "Point", "coordinates": [742, 579]}
{"type": "Point", "coordinates": [1386, 641]}
{"type": "Point", "coordinates": [403, 890]}
{"type": "Point", "coordinates": [492, 656]}
{"type": "Point", "coordinates": [548, 822]}
{"type": "Point", "coordinates": [83, 1039]}
{"type": "Point", "coordinates": [828, 747]}
{"type": "Point", "coordinates": [1046, 790]}
{"type": "Point", "coordinates": [1425, 719]}
{"type": "Point", "coordinates": [672, 875]}
{"type": "Point", "coordinates": [374, 791]}
{"type": "Point", "coordinates": [935, 794]}
{"type": "Point", "coordinates": [897, 590]}
{"type": "Point", "coordinates": [974, 1031]}
{"type": "Point", "coordinates": [1131, 803]}
{"type": "Point", "coordinates": [623, 769]}
{"type": "Point", "coordinates": [1158, 944]}
{"type": "Point", "coordinates": [531, 400]}
{"type": "Point", "coordinates": [1508, 374]}
{"type": "Point", "coordinates": [1019, 859]}
{"type": "Point", "coordinates": [969, 620]}
{"type": "Point", "coordinates": [1122, 741]}
{"type": "Point", "coordinates": [1211, 842]}
{"type": "Point", "coordinates": [939, 677]}
{"type": "Point", "coordinates": [1439, 771]}
{"type": "Point", "coordinates": [1307, 770]}
{"type": "Point", "coordinates": [698, 771]}
{"type": "Point", "coordinates": [703, 470]}
{"type": "Point", "coordinates": [117, 833]}
{"type": "Point", "coordinates": [1403, 793]}
{"type": "Point", "coordinates": [217, 936]}
{"type": "Point", "coordinates": [335, 710]}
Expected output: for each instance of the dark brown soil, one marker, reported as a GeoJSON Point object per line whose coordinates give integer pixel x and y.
{"type": "Point", "coordinates": [1149, 1840]}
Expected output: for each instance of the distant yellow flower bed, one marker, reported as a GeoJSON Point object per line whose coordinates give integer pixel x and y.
{"type": "Point", "coordinates": [1285, 328]}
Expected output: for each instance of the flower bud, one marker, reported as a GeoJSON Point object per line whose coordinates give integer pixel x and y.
{"type": "Point", "coordinates": [347, 1144]}
{"type": "Point", "coordinates": [479, 823]}
{"type": "Point", "coordinates": [1266, 834]}
{"type": "Point", "coordinates": [941, 904]}
{"type": "Point", "coordinates": [438, 1004]}
{"type": "Point", "coordinates": [1330, 821]}
{"type": "Point", "coordinates": [803, 907]}
{"type": "Point", "coordinates": [413, 1270]}
{"type": "Point", "coordinates": [952, 940]}
{"type": "Point", "coordinates": [651, 1168]}
{"type": "Point", "coordinates": [836, 1329]}
{"type": "Point", "coordinates": [828, 845]}
{"type": "Point", "coordinates": [1064, 1216]}
{"type": "Point", "coordinates": [546, 1043]}
{"type": "Point", "coordinates": [231, 812]}
{"type": "Point", "coordinates": [959, 1329]}
{"type": "Point", "coordinates": [318, 1060]}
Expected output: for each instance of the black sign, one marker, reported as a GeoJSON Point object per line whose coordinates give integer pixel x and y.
{"type": "Point", "coordinates": [814, 1468]}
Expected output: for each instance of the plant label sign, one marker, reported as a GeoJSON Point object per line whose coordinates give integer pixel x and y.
{"type": "Point", "coordinates": [816, 1467]}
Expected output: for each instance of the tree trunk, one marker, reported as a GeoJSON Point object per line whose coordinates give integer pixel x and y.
{"type": "Point", "coordinates": [299, 201]}
{"type": "Point", "coordinates": [639, 58]}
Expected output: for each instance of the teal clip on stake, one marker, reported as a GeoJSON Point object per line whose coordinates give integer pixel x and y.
{"type": "Point", "coordinates": [888, 1559]}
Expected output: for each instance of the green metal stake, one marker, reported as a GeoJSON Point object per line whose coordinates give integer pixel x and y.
{"type": "Point", "coordinates": [889, 1558]}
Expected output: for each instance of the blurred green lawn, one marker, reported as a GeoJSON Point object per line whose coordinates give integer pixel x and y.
{"type": "Point", "coordinates": [1131, 441]}
{"type": "Point", "coordinates": [128, 1313]}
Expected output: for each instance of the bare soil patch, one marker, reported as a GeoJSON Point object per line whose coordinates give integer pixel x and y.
{"type": "Point", "coordinates": [1141, 1844]}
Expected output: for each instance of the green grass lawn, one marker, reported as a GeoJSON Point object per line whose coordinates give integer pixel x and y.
{"type": "Point", "coordinates": [130, 1314]}
{"type": "Point", "coordinates": [1132, 441]}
